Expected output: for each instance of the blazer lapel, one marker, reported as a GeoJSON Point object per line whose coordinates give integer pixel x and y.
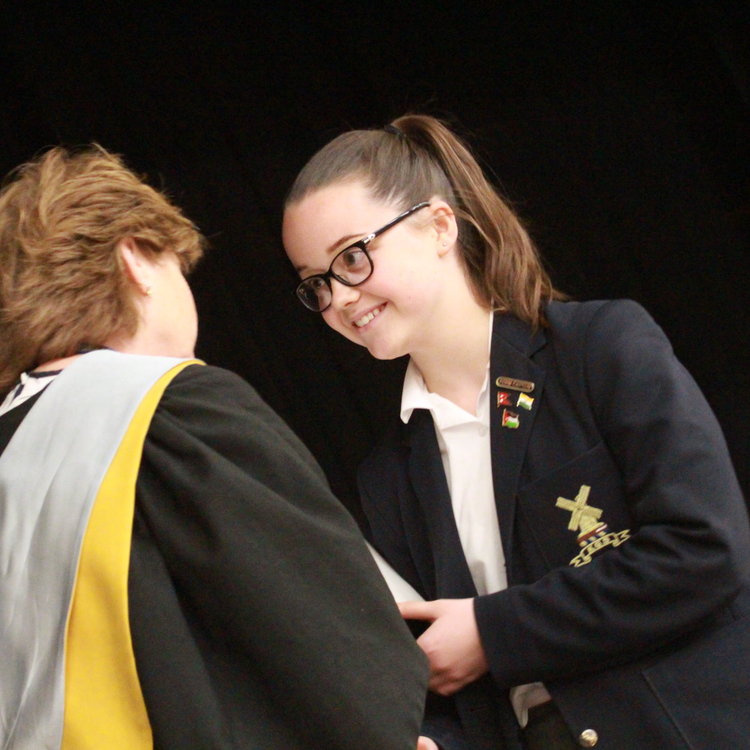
{"type": "Point", "coordinates": [516, 386]}
{"type": "Point", "coordinates": [452, 576]}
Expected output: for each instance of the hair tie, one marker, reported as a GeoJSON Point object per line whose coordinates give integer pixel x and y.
{"type": "Point", "coordinates": [393, 130]}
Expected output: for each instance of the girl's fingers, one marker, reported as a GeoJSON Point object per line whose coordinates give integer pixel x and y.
{"type": "Point", "coordinates": [419, 610]}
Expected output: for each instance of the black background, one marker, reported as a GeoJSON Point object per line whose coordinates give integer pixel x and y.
{"type": "Point", "coordinates": [618, 130]}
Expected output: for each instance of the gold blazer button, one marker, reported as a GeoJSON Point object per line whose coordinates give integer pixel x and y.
{"type": "Point", "coordinates": [588, 738]}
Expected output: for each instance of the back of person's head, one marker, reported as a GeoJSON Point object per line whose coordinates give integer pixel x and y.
{"type": "Point", "coordinates": [417, 157]}
{"type": "Point", "coordinates": [62, 286]}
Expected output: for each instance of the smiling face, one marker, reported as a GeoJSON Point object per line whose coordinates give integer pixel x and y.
{"type": "Point", "coordinates": [395, 311]}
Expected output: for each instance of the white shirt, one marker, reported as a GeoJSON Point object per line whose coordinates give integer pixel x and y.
{"type": "Point", "coordinates": [464, 443]}
{"type": "Point", "coordinates": [465, 450]}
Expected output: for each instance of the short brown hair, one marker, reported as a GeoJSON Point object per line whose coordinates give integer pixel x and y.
{"type": "Point", "coordinates": [418, 156]}
{"type": "Point", "coordinates": [62, 285]}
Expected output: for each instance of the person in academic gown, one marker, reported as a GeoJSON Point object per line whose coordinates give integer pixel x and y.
{"type": "Point", "coordinates": [176, 572]}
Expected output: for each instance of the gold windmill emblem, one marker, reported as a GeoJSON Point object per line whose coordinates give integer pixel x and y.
{"type": "Point", "coordinates": [592, 533]}
{"type": "Point", "coordinates": [583, 517]}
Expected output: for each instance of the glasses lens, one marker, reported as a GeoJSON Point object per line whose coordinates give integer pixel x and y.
{"type": "Point", "coordinates": [352, 266]}
{"type": "Point", "coordinates": [314, 293]}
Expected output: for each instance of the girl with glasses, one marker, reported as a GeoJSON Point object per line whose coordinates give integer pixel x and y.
{"type": "Point", "coordinates": [556, 487]}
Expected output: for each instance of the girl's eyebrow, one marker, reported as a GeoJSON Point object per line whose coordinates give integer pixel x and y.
{"type": "Point", "coordinates": [335, 247]}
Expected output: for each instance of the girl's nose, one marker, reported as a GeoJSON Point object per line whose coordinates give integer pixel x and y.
{"type": "Point", "coordinates": [343, 295]}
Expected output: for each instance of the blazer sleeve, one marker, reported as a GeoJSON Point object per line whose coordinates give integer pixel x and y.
{"type": "Point", "coordinates": [265, 559]}
{"type": "Point", "coordinates": [688, 553]}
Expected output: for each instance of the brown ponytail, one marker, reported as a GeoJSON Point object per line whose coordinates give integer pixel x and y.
{"type": "Point", "coordinates": [417, 157]}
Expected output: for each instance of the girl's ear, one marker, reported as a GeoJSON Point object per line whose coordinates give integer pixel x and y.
{"type": "Point", "coordinates": [136, 265]}
{"type": "Point", "coordinates": [445, 225]}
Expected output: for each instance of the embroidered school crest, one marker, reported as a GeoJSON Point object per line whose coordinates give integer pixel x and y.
{"type": "Point", "coordinates": [592, 532]}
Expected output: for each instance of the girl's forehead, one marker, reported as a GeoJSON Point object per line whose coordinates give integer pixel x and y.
{"type": "Point", "coordinates": [341, 210]}
{"type": "Point", "coordinates": [344, 198]}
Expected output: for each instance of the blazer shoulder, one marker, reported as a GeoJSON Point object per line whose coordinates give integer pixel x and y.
{"type": "Point", "coordinates": [579, 325]}
{"type": "Point", "coordinates": [574, 316]}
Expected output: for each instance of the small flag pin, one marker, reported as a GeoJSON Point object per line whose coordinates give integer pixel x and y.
{"type": "Point", "coordinates": [503, 399]}
{"type": "Point", "coordinates": [510, 420]}
{"type": "Point", "coordinates": [524, 401]}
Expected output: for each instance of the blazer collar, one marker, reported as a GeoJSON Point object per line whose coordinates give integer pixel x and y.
{"type": "Point", "coordinates": [451, 571]}
{"type": "Point", "coordinates": [517, 384]}
{"type": "Point", "coordinates": [513, 346]}
{"type": "Point", "coordinates": [512, 340]}
{"type": "Point", "coordinates": [515, 333]}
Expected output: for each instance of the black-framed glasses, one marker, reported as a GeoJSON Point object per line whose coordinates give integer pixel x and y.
{"type": "Point", "coordinates": [351, 266]}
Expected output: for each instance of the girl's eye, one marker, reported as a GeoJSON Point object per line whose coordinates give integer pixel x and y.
{"type": "Point", "coordinates": [316, 283]}
{"type": "Point", "coordinates": [352, 258]}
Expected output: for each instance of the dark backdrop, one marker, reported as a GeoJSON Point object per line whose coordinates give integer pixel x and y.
{"type": "Point", "coordinates": [619, 131]}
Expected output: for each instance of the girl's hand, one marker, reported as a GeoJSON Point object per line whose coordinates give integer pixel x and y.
{"type": "Point", "coordinates": [425, 743]}
{"type": "Point", "coordinates": [451, 643]}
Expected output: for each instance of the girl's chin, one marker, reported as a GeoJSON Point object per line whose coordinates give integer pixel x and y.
{"type": "Point", "coordinates": [383, 353]}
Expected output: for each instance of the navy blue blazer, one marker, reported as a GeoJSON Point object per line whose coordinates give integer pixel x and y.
{"type": "Point", "coordinates": [624, 530]}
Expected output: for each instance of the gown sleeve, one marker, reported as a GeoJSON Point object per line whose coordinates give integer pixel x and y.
{"type": "Point", "coordinates": [291, 636]}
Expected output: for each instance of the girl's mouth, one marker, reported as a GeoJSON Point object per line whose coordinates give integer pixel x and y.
{"type": "Point", "coordinates": [367, 317]}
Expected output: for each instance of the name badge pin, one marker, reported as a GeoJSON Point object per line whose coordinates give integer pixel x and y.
{"type": "Point", "coordinates": [514, 384]}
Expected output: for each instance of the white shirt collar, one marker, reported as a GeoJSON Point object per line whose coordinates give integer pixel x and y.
{"type": "Point", "coordinates": [28, 385]}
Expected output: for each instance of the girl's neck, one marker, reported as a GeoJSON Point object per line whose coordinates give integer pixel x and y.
{"type": "Point", "coordinates": [455, 366]}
